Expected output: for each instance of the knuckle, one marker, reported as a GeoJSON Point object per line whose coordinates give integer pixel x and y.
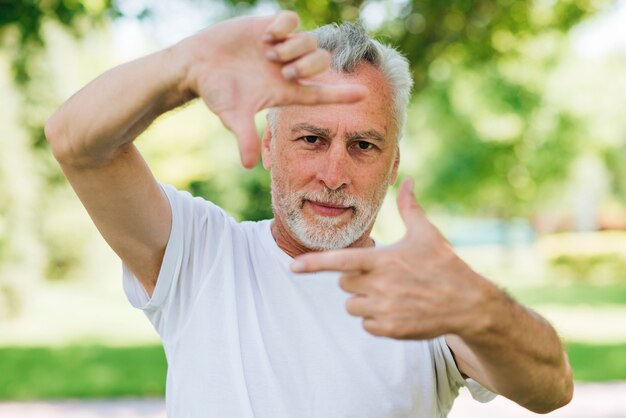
{"type": "Point", "coordinates": [380, 286]}
{"type": "Point", "coordinates": [344, 282]}
{"type": "Point", "coordinates": [389, 329]}
{"type": "Point", "coordinates": [343, 263]}
{"type": "Point", "coordinates": [386, 259]}
{"type": "Point", "coordinates": [291, 15]}
{"type": "Point", "coordinates": [324, 56]}
{"type": "Point", "coordinates": [288, 19]}
{"type": "Point", "coordinates": [297, 69]}
{"type": "Point", "coordinates": [310, 42]}
{"type": "Point", "coordinates": [279, 52]}
{"type": "Point", "coordinates": [397, 330]}
{"type": "Point", "coordinates": [351, 306]}
{"type": "Point", "coordinates": [372, 327]}
{"type": "Point", "coordinates": [386, 307]}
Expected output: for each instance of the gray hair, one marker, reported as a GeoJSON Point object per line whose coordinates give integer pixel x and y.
{"type": "Point", "coordinates": [349, 45]}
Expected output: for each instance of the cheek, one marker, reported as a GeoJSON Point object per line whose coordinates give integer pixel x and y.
{"type": "Point", "coordinates": [298, 169]}
{"type": "Point", "coordinates": [373, 182]}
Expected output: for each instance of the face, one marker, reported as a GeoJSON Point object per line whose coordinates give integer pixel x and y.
{"type": "Point", "coordinates": [331, 165]}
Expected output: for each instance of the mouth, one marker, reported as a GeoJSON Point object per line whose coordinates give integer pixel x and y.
{"type": "Point", "coordinates": [328, 209]}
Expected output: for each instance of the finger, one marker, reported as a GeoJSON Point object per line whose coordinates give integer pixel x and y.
{"type": "Point", "coordinates": [345, 260]}
{"type": "Point", "coordinates": [294, 47]}
{"type": "Point", "coordinates": [284, 23]}
{"type": "Point", "coordinates": [242, 125]}
{"type": "Point", "coordinates": [374, 326]}
{"type": "Point", "coordinates": [311, 94]}
{"type": "Point", "coordinates": [411, 212]}
{"type": "Point", "coordinates": [355, 282]}
{"type": "Point", "coordinates": [359, 306]}
{"type": "Point", "coordinates": [309, 65]}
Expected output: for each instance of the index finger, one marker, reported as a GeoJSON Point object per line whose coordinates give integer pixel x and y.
{"type": "Point", "coordinates": [284, 23]}
{"type": "Point", "coordinates": [311, 94]}
{"type": "Point", "coordinates": [346, 260]}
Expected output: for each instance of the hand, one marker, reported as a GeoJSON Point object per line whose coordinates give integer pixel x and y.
{"type": "Point", "coordinates": [416, 289]}
{"type": "Point", "coordinates": [241, 66]}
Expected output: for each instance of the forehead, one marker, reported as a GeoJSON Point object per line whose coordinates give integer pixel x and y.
{"type": "Point", "coordinates": [373, 112]}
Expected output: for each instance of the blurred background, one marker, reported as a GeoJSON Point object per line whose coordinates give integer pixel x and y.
{"type": "Point", "coordinates": [516, 137]}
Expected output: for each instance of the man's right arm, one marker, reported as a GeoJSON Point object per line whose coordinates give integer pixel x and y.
{"type": "Point", "coordinates": [91, 137]}
{"type": "Point", "coordinates": [91, 134]}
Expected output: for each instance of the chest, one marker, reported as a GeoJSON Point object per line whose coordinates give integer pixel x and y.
{"type": "Point", "coordinates": [285, 346]}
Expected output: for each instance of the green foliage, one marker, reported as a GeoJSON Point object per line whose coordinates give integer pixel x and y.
{"type": "Point", "coordinates": [564, 293]}
{"type": "Point", "coordinates": [595, 363]}
{"type": "Point", "coordinates": [255, 202]}
{"type": "Point", "coordinates": [493, 152]}
{"type": "Point", "coordinates": [257, 188]}
{"type": "Point", "coordinates": [21, 25]}
{"type": "Point", "coordinates": [616, 162]}
{"type": "Point", "coordinates": [81, 372]}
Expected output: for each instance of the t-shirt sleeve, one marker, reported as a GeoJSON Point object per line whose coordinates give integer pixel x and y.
{"type": "Point", "coordinates": [449, 378]}
{"type": "Point", "coordinates": [198, 227]}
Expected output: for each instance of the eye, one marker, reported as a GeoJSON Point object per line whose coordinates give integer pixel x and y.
{"type": "Point", "coordinates": [364, 145]}
{"type": "Point", "coordinates": [310, 139]}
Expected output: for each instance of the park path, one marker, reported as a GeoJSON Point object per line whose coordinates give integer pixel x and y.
{"type": "Point", "coordinates": [590, 401]}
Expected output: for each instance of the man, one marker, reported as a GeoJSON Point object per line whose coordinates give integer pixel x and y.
{"type": "Point", "coordinates": [254, 318]}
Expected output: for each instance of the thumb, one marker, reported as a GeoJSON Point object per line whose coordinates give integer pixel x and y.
{"type": "Point", "coordinates": [411, 212]}
{"type": "Point", "coordinates": [242, 125]}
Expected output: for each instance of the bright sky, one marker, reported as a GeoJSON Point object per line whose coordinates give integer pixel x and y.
{"type": "Point", "coordinates": [603, 34]}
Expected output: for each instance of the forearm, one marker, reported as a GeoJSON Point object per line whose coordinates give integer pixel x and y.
{"type": "Point", "coordinates": [116, 107]}
{"type": "Point", "coordinates": [515, 352]}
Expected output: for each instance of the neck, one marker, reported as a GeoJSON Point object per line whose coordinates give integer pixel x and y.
{"type": "Point", "coordinates": [290, 245]}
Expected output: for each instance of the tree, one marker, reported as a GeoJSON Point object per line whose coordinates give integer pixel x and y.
{"type": "Point", "coordinates": [481, 135]}
{"type": "Point", "coordinates": [21, 23]}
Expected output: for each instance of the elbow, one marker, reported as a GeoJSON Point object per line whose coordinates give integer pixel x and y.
{"type": "Point", "coordinates": [55, 135]}
{"type": "Point", "coordinates": [65, 149]}
{"type": "Point", "coordinates": [567, 387]}
{"type": "Point", "coordinates": [562, 394]}
{"type": "Point", "coordinates": [555, 404]}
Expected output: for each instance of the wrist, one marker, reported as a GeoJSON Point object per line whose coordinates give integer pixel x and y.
{"type": "Point", "coordinates": [486, 316]}
{"type": "Point", "coordinates": [178, 59]}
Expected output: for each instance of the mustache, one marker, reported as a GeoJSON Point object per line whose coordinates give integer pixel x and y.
{"type": "Point", "coordinates": [335, 197]}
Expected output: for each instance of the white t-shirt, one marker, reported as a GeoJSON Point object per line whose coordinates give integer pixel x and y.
{"type": "Point", "coordinates": [246, 337]}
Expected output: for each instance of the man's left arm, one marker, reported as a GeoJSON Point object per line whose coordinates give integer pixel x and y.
{"type": "Point", "coordinates": [419, 288]}
{"type": "Point", "coordinates": [514, 352]}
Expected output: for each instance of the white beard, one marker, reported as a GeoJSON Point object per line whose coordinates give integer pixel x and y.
{"type": "Point", "coordinates": [326, 232]}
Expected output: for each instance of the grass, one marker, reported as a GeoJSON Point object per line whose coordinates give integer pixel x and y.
{"type": "Point", "coordinates": [572, 294]}
{"type": "Point", "coordinates": [108, 372]}
{"type": "Point", "coordinates": [81, 372]}
{"type": "Point", "coordinates": [596, 362]}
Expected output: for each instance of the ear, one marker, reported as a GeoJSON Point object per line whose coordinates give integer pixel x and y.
{"type": "Point", "coordinates": [266, 146]}
{"type": "Point", "coordinates": [396, 164]}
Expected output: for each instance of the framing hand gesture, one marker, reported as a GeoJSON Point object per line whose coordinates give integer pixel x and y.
{"type": "Point", "coordinates": [241, 66]}
{"type": "Point", "coordinates": [417, 288]}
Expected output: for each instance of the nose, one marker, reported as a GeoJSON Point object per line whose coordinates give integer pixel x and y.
{"type": "Point", "coordinates": [334, 168]}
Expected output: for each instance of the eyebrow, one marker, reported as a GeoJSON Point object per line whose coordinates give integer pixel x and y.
{"type": "Point", "coordinates": [369, 134]}
{"type": "Point", "coordinates": [323, 132]}
{"type": "Point", "coordinates": [350, 136]}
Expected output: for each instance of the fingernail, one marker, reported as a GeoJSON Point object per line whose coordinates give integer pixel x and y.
{"type": "Point", "coordinates": [271, 55]}
{"type": "Point", "coordinates": [268, 37]}
{"type": "Point", "coordinates": [289, 73]}
{"type": "Point", "coordinates": [297, 266]}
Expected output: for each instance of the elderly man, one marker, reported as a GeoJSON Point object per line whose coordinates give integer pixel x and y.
{"type": "Point", "coordinates": [303, 315]}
